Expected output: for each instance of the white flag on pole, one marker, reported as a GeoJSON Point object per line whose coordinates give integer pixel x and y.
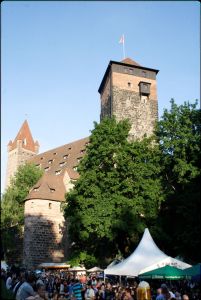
{"type": "Point", "coordinates": [121, 41]}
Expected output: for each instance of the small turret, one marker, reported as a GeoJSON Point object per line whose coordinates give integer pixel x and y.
{"type": "Point", "coordinates": [20, 150]}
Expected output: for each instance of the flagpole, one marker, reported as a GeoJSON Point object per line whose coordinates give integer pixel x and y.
{"type": "Point", "coordinates": [123, 45]}
{"type": "Point", "coordinates": [124, 50]}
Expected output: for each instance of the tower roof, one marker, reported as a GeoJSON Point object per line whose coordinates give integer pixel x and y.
{"type": "Point", "coordinates": [25, 136]}
{"type": "Point", "coordinates": [49, 187]}
{"type": "Point", "coordinates": [130, 61]}
{"type": "Point", "coordinates": [125, 62]}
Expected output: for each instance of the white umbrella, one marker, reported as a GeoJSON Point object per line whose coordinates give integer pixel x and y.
{"type": "Point", "coordinates": [95, 269]}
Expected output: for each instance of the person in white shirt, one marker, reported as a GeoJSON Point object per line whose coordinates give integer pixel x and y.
{"type": "Point", "coordinates": [89, 294]}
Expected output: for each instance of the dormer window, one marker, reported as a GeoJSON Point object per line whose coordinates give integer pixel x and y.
{"type": "Point", "coordinates": [54, 153]}
{"type": "Point", "coordinates": [58, 172]}
{"type": "Point", "coordinates": [62, 163]}
{"type": "Point", "coordinates": [75, 168]}
{"type": "Point", "coordinates": [46, 169]}
{"type": "Point", "coordinates": [52, 190]}
{"type": "Point", "coordinates": [82, 151]}
{"type": "Point", "coordinates": [36, 189]}
{"type": "Point", "coordinates": [50, 161]}
{"type": "Point", "coordinates": [65, 156]}
{"type": "Point", "coordinates": [79, 159]}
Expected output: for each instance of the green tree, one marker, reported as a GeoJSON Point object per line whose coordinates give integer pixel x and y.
{"type": "Point", "coordinates": [12, 205]}
{"type": "Point", "coordinates": [179, 137]}
{"type": "Point", "coordinates": [118, 193]}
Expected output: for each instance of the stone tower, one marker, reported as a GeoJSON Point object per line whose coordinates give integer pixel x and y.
{"type": "Point", "coordinates": [128, 90]}
{"type": "Point", "coordinates": [20, 150]}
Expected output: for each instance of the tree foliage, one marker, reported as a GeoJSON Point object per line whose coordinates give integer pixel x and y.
{"type": "Point", "coordinates": [179, 137]}
{"type": "Point", "coordinates": [117, 195]}
{"type": "Point", "coordinates": [12, 204]}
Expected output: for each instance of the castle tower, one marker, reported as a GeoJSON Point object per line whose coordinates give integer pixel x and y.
{"type": "Point", "coordinates": [20, 150]}
{"type": "Point", "coordinates": [128, 90]}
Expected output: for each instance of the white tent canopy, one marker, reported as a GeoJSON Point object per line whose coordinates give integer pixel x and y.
{"type": "Point", "coordinates": [169, 261]}
{"type": "Point", "coordinates": [95, 269]}
{"type": "Point", "coordinates": [146, 254]}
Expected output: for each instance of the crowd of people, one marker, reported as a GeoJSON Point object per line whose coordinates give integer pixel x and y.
{"type": "Point", "coordinates": [58, 285]}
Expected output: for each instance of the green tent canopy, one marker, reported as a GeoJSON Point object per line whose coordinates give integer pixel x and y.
{"type": "Point", "coordinates": [166, 272]}
{"type": "Point", "coordinates": [194, 271]}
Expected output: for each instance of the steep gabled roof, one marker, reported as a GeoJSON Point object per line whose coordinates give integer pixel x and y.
{"type": "Point", "coordinates": [62, 158]}
{"type": "Point", "coordinates": [55, 163]}
{"type": "Point", "coordinates": [24, 135]}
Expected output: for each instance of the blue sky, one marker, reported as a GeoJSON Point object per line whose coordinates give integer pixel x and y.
{"type": "Point", "coordinates": [54, 55]}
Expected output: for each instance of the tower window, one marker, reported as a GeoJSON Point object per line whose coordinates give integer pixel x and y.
{"type": "Point", "coordinates": [129, 84]}
{"type": "Point", "coordinates": [50, 205]}
{"type": "Point", "coordinates": [144, 73]}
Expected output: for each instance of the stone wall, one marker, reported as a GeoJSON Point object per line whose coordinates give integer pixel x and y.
{"type": "Point", "coordinates": [106, 100]}
{"type": "Point", "coordinates": [16, 157]}
{"type": "Point", "coordinates": [44, 236]}
{"type": "Point", "coordinates": [140, 110]}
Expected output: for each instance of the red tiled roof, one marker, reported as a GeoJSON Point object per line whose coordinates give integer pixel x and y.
{"type": "Point", "coordinates": [55, 162]}
{"type": "Point", "coordinates": [130, 61]}
{"type": "Point", "coordinates": [25, 136]}
{"type": "Point", "coordinates": [49, 187]}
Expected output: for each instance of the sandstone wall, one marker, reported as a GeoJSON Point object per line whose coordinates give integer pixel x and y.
{"type": "Point", "coordinates": [140, 110]}
{"type": "Point", "coordinates": [16, 157]}
{"type": "Point", "coordinates": [106, 100]}
{"type": "Point", "coordinates": [44, 235]}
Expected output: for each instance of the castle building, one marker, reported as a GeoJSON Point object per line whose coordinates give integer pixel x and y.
{"type": "Point", "coordinates": [127, 90]}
